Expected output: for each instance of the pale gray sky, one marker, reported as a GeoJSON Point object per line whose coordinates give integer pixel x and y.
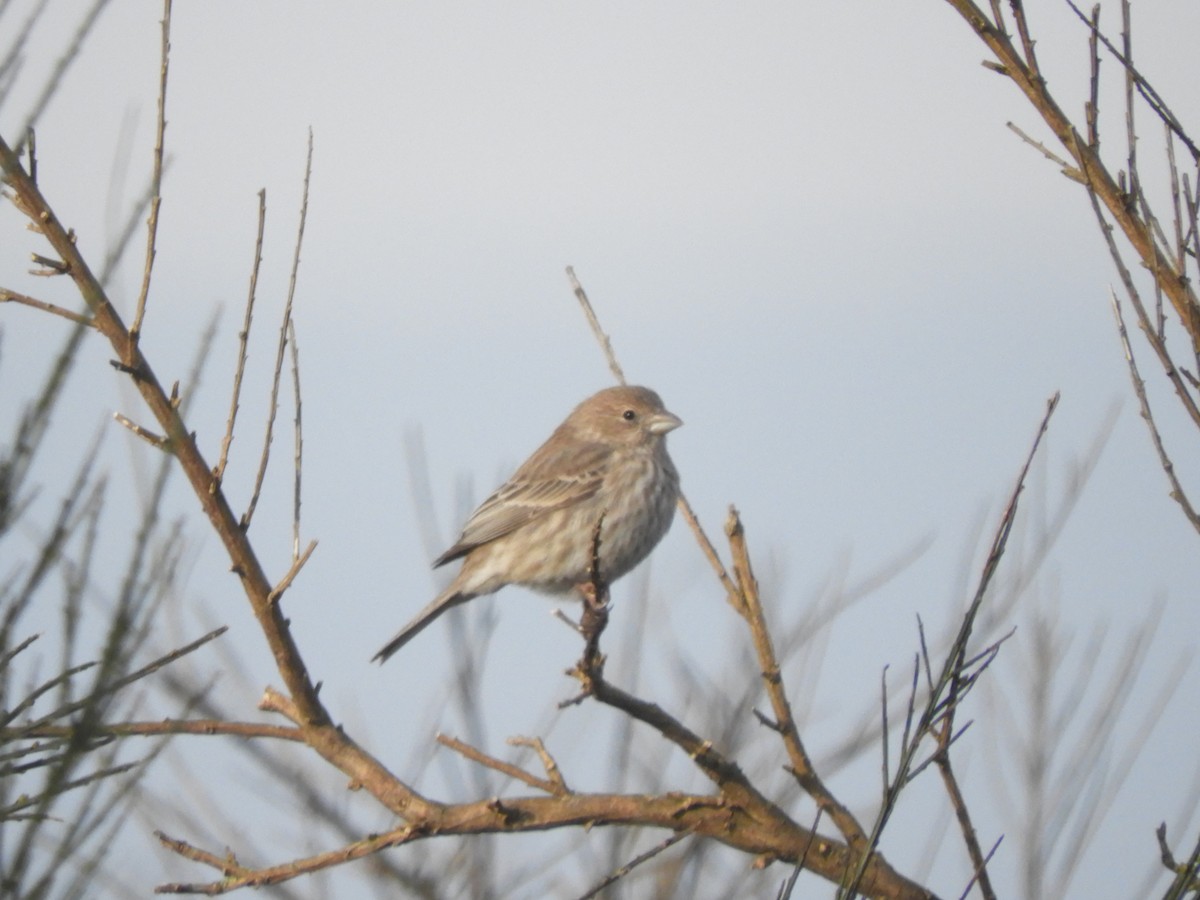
{"type": "Point", "coordinates": [804, 224]}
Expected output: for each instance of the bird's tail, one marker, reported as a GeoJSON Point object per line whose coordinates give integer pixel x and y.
{"type": "Point", "coordinates": [440, 604]}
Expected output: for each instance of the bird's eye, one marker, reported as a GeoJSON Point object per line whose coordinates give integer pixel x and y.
{"type": "Point", "coordinates": [629, 415]}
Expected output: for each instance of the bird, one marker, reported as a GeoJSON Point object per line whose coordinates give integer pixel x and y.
{"type": "Point", "coordinates": [606, 463]}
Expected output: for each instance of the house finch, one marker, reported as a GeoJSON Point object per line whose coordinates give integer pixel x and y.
{"type": "Point", "coordinates": [608, 461]}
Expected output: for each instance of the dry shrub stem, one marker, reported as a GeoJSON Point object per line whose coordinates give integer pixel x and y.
{"type": "Point", "coordinates": [749, 606]}
{"type": "Point", "coordinates": [243, 340]}
{"type": "Point", "coordinates": [556, 789]}
{"type": "Point", "coordinates": [312, 718]}
{"type": "Point", "coordinates": [739, 807]}
{"type": "Point", "coordinates": [135, 329]}
{"type": "Point", "coordinates": [280, 351]}
{"type": "Point", "coordinates": [1120, 202]}
{"type": "Point", "coordinates": [7, 296]}
{"type": "Point", "coordinates": [738, 815]}
{"type": "Point", "coordinates": [1021, 66]}
{"type": "Point", "coordinates": [959, 673]}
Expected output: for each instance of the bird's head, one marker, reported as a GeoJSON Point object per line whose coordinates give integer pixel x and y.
{"type": "Point", "coordinates": [625, 416]}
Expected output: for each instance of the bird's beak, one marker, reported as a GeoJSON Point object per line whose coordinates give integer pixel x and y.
{"type": "Point", "coordinates": [663, 422]}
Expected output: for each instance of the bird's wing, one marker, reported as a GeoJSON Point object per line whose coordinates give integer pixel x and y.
{"type": "Point", "coordinates": [553, 478]}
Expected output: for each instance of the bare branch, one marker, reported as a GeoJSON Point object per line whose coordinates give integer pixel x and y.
{"type": "Point", "coordinates": [953, 680]}
{"type": "Point", "coordinates": [1115, 199]}
{"type": "Point", "coordinates": [597, 331]}
{"type": "Point", "coordinates": [1144, 87]}
{"type": "Point", "coordinates": [736, 793]}
{"type": "Point", "coordinates": [1139, 388]}
{"type": "Point", "coordinates": [750, 608]}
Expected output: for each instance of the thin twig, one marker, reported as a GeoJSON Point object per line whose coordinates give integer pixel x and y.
{"type": "Point", "coordinates": [946, 690]}
{"type": "Point", "coordinates": [801, 766]}
{"type": "Point", "coordinates": [982, 870]}
{"type": "Point", "coordinates": [298, 439]}
{"type": "Point", "coordinates": [1149, 94]}
{"type": "Point", "coordinates": [556, 789]}
{"type": "Point", "coordinates": [7, 656]}
{"type": "Point", "coordinates": [553, 773]}
{"type": "Point", "coordinates": [785, 889]}
{"type": "Point", "coordinates": [628, 867]}
{"type": "Point", "coordinates": [237, 875]}
{"type": "Point", "coordinates": [154, 440]}
{"type": "Point", "coordinates": [685, 508]}
{"type": "Point", "coordinates": [1151, 333]}
{"type": "Point", "coordinates": [709, 551]}
{"type": "Point", "coordinates": [117, 684]}
{"type": "Point", "coordinates": [63, 677]}
{"type": "Point", "coordinates": [1092, 108]}
{"type": "Point", "coordinates": [1130, 128]}
{"type": "Point", "coordinates": [7, 296]}
{"type": "Point", "coordinates": [25, 801]}
{"type": "Point", "coordinates": [958, 802]}
{"type": "Point", "coordinates": [135, 329]}
{"type": "Point", "coordinates": [1115, 198]}
{"type": "Point", "coordinates": [1027, 41]}
{"type": "Point", "coordinates": [1139, 389]}
{"type": "Point", "coordinates": [601, 337]}
{"type": "Point", "coordinates": [1069, 170]}
{"type": "Point", "coordinates": [243, 340]}
{"type": "Point", "coordinates": [297, 564]}
{"type": "Point", "coordinates": [1176, 207]}
{"type": "Point", "coordinates": [212, 727]}
{"type": "Point", "coordinates": [998, 16]}
{"type": "Point", "coordinates": [328, 740]}
{"type": "Point", "coordinates": [884, 732]}
{"type": "Point", "coordinates": [1187, 875]}
{"type": "Point", "coordinates": [282, 347]}
{"type": "Point", "coordinates": [50, 267]}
